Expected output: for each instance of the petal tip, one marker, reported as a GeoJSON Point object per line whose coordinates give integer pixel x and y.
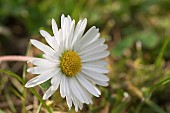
{"type": "Point", "coordinates": [27, 85]}
{"type": "Point", "coordinates": [28, 70]}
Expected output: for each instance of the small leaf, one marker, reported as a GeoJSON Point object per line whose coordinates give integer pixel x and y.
{"type": "Point", "coordinates": [1, 111]}
{"type": "Point", "coordinates": [122, 46]}
{"type": "Point", "coordinates": [149, 39]}
{"type": "Point", "coordinates": [46, 84]}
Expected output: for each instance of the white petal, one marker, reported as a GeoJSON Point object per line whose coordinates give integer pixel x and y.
{"type": "Point", "coordinates": [62, 20]}
{"type": "Point", "coordinates": [51, 58]}
{"type": "Point", "coordinates": [96, 69]}
{"type": "Point", "coordinates": [95, 75]}
{"type": "Point", "coordinates": [47, 37]}
{"type": "Point", "coordinates": [88, 95]}
{"type": "Point", "coordinates": [55, 44]}
{"type": "Point", "coordinates": [91, 46]}
{"type": "Point", "coordinates": [75, 102]}
{"type": "Point", "coordinates": [77, 90]}
{"type": "Point", "coordinates": [95, 38]}
{"type": "Point", "coordinates": [86, 84]}
{"type": "Point", "coordinates": [70, 39]}
{"type": "Point", "coordinates": [48, 93]}
{"type": "Point", "coordinates": [55, 30]}
{"type": "Point", "coordinates": [96, 56]}
{"type": "Point", "coordinates": [98, 49]}
{"type": "Point", "coordinates": [62, 41]}
{"type": "Point", "coordinates": [80, 105]}
{"type": "Point", "coordinates": [82, 29]}
{"type": "Point", "coordinates": [43, 63]}
{"type": "Point", "coordinates": [69, 19]}
{"type": "Point", "coordinates": [39, 70]}
{"type": "Point", "coordinates": [55, 81]}
{"type": "Point", "coordinates": [46, 49]}
{"type": "Point", "coordinates": [90, 34]}
{"type": "Point", "coordinates": [96, 63]}
{"type": "Point", "coordinates": [69, 101]}
{"type": "Point", "coordinates": [79, 30]}
{"type": "Point", "coordinates": [95, 81]}
{"type": "Point", "coordinates": [41, 78]}
{"type": "Point", "coordinates": [62, 86]}
{"type": "Point", "coordinates": [66, 32]}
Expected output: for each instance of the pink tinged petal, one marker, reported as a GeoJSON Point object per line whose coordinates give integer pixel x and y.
{"type": "Point", "coordinates": [95, 75]}
{"type": "Point", "coordinates": [48, 93]}
{"type": "Point", "coordinates": [95, 81]}
{"type": "Point", "coordinates": [91, 46]}
{"type": "Point", "coordinates": [41, 78]}
{"type": "Point", "coordinates": [96, 56]}
{"type": "Point", "coordinates": [46, 49]}
{"type": "Point", "coordinates": [87, 85]}
{"type": "Point", "coordinates": [94, 51]}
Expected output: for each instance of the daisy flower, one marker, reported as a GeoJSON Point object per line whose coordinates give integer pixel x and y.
{"type": "Point", "coordinates": [73, 62]}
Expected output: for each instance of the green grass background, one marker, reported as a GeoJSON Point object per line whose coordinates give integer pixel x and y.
{"type": "Point", "coordinates": [137, 32]}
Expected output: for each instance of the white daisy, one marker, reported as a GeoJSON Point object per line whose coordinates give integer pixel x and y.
{"type": "Point", "coordinates": [72, 60]}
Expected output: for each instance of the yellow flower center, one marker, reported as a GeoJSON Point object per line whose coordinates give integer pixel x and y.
{"type": "Point", "coordinates": [70, 63]}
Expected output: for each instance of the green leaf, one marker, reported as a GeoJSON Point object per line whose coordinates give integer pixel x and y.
{"type": "Point", "coordinates": [122, 46]}
{"type": "Point", "coordinates": [149, 39]}
{"type": "Point", "coordinates": [1, 111]}
{"type": "Point", "coordinates": [46, 84]}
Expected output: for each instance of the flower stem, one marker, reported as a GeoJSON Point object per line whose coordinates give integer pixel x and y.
{"type": "Point", "coordinates": [15, 58]}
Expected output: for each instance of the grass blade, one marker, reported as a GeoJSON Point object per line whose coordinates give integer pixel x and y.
{"type": "Point", "coordinates": [31, 89]}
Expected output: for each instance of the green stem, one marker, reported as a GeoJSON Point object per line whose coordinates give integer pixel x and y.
{"type": "Point", "coordinates": [24, 91]}
{"type": "Point", "coordinates": [31, 89]}
{"type": "Point", "coordinates": [39, 98]}
{"type": "Point", "coordinates": [39, 108]}
{"type": "Point", "coordinates": [160, 56]}
{"type": "Point", "coordinates": [155, 107]}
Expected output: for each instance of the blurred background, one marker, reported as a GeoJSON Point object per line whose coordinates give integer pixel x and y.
{"type": "Point", "coordinates": [137, 32]}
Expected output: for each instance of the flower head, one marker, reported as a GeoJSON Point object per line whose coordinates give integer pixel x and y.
{"type": "Point", "coordinates": [72, 61]}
